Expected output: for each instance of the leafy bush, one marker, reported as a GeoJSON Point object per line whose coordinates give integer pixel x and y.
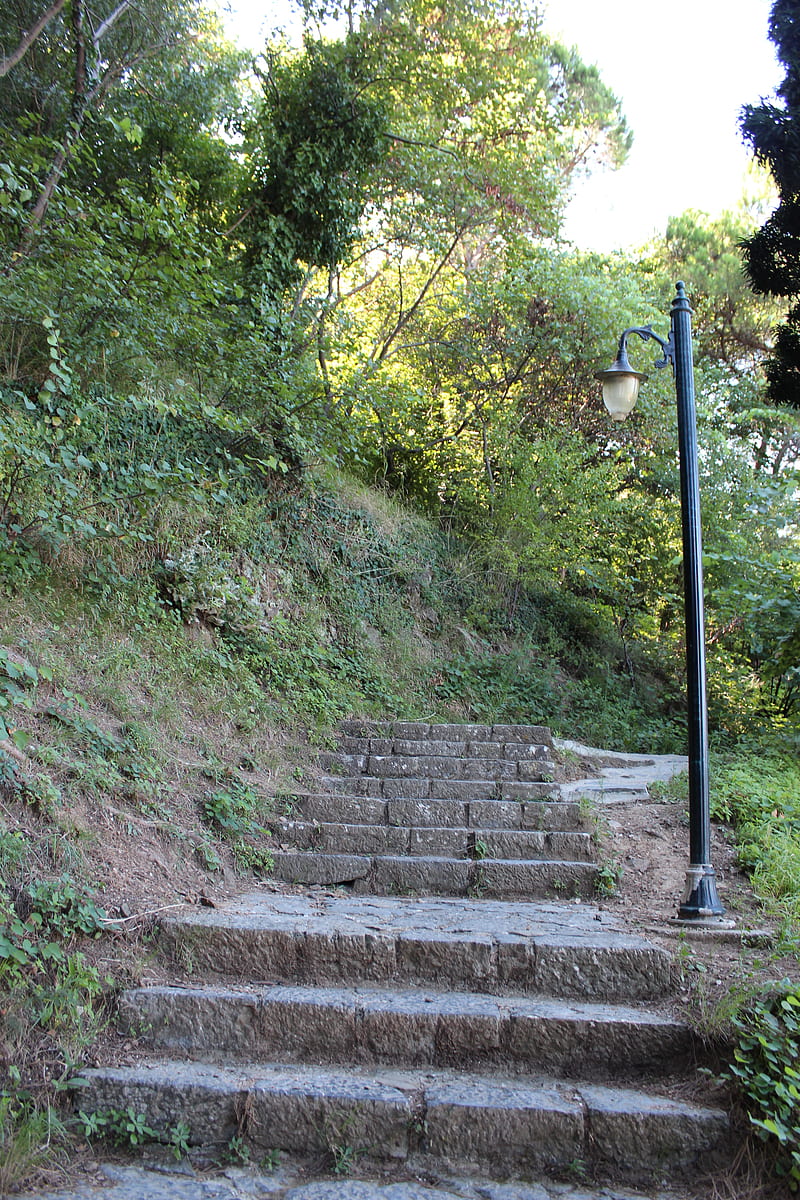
{"type": "Point", "coordinates": [766, 1069]}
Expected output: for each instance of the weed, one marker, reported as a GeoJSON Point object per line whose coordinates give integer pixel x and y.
{"type": "Point", "coordinates": [126, 1128]}
{"type": "Point", "coordinates": [230, 810]}
{"type": "Point", "coordinates": [478, 885]}
{"type": "Point", "coordinates": [270, 1161]}
{"type": "Point", "coordinates": [670, 791]}
{"type": "Point", "coordinates": [30, 1136]}
{"type": "Point", "coordinates": [688, 962]}
{"type": "Point", "coordinates": [207, 856]}
{"type": "Point", "coordinates": [252, 858]}
{"type": "Point", "coordinates": [178, 1140]}
{"type": "Point", "coordinates": [478, 849]}
{"type": "Point", "coordinates": [344, 1158]}
{"type": "Point", "coordinates": [587, 810]}
{"type": "Point", "coordinates": [18, 682]}
{"type": "Point", "coordinates": [609, 875]}
{"type": "Point", "coordinates": [343, 1154]}
{"type": "Point", "coordinates": [60, 907]}
{"type": "Point", "coordinates": [236, 1153]}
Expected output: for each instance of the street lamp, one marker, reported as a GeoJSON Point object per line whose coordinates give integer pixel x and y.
{"type": "Point", "coordinates": [620, 390]}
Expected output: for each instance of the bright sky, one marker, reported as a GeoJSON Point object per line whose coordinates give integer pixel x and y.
{"type": "Point", "coordinates": [682, 72]}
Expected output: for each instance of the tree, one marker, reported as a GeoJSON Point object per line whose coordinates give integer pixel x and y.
{"type": "Point", "coordinates": [316, 136]}
{"type": "Point", "coordinates": [486, 123]}
{"type": "Point", "coordinates": [72, 58]}
{"type": "Point", "coordinates": [772, 254]}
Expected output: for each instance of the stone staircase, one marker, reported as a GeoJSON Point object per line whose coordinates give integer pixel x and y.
{"type": "Point", "coordinates": [436, 995]}
{"type": "Point", "coordinates": [446, 810]}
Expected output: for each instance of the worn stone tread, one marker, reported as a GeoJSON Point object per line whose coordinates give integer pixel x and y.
{"type": "Point", "coordinates": [437, 875]}
{"type": "Point", "coordinates": [431, 788]}
{"type": "Point", "coordinates": [528, 769]}
{"type": "Point", "coordinates": [572, 950]}
{"type": "Point", "coordinates": [406, 1026]}
{"type": "Point", "coordinates": [330, 837]}
{"type": "Point", "coordinates": [480, 813]}
{"type": "Point", "coordinates": [422, 731]}
{"type": "Point", "coordinates": [446, 1116]}
{"type": "Point", "coordinates": [454, 748]}
{"type": "Point", "coordinates": [298, 1178]}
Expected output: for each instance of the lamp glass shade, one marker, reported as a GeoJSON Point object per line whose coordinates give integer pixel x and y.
{"type": "Point", "coordinates": [620, 391]}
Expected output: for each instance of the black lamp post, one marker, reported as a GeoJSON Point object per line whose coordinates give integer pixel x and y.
{"type": "Point", "coordinates": [620, 389]}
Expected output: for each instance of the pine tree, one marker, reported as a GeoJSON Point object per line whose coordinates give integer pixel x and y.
{"type": "Point", "coordinates": [772, 255]}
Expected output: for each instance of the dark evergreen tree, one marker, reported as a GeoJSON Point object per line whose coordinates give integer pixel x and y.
{"type": "Point", "coordinates": [772, 254]}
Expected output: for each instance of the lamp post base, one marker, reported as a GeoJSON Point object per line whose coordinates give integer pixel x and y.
{"type": "Point", "coordinates": [700, 899]}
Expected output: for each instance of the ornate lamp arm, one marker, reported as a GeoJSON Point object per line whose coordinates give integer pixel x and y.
{"type": "Point", "coordinates": [646, 332]}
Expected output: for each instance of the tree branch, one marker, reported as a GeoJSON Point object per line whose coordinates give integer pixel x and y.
{"type": "Point", "coordinates": [29, 37]}
{"type": "Point", "coordinates": [104, 27]}
{"type": "Point", "coordinates": [406, 316]}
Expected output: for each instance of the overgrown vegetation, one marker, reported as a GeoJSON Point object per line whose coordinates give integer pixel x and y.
{"type": "Point", "coordinates": [297, 420]}
{"type": "Point", "coordinates": [765, 1068]}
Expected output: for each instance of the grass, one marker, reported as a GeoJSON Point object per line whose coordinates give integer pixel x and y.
{"type": "Point", "coordinates": [760, 795]}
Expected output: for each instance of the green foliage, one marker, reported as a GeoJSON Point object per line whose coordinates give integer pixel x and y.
{"type": "Point", "coordinates": [18, 681]}
{"type": "Point", "coordinates": [609, 875]}
{"type": "Point", "coordinates": [53, 1005]}
{"type": "Point", "coordinates": [765, 1068]}
{"type": "Point", "coordinates": [130, 1129]}
{"type": "Point", "coordinates": [760, 794]}
{"type": "Point", "coordinates": [317, 134]}
{"type": "Point", "coordinates": [771, 254]}
{"type": "Point", "coordinates": [237, 1152]}
{"type": "Point", "coordinates": [231, 811]}
{"type": "Point", "coordinates": [31, 1136]}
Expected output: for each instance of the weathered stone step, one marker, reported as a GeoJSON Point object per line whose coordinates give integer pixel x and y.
{"type": "Point", "coordinates": [390, 874]}
{"type": "Point", "coordinates": [413, 1116]}
{"type": "Point", "coordinates": [395, 747]}
{"type": "Point", "coordinates": [426, 788]}
{"type": "Point", "coordinates": [604, 791]}
{"type": "Point", "coordinates": [566, 950]}
{"type": "Point", "coordinates": [421, 731]}
{"type": "Point", "coordinates": [426, 813]}
{"type": "Point", "coordinates": [407, 1028]}
{"type": "Point", "coordinates": [439, 767]}
{"type": "Point", "coordinates": [454, 842]}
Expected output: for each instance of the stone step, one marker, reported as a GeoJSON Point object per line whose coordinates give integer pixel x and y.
{"type": "Point", "coordinates": [407, 1028]}
{"type": "Point", "coordinates": [454, 842]}
{"type": "Point", "coordinates": [509, 751]}
{"type": "Point", "coordinates": [386, 875]}
{"type": "Point", "coordinates": [566, 950]}
{"type": "Point", "coordinates": [420, 1118]}
{"type": "Point", "coordinates": [439, 767]}
{"type": "Point", "coordinates": [428, 788]}
{"type": "Point", "coordinates": [435, 813]}
{"type": "Point", "coordinates": [604, 791]}
{"type": "Point", "coordinates": [422, 731]}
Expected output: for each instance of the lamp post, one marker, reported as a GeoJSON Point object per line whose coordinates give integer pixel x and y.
{"type": "Point", "coordinates": [620, 390]}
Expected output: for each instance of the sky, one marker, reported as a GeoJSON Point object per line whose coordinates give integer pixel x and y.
{"type": "Point", "coordinates": [682, 73]}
